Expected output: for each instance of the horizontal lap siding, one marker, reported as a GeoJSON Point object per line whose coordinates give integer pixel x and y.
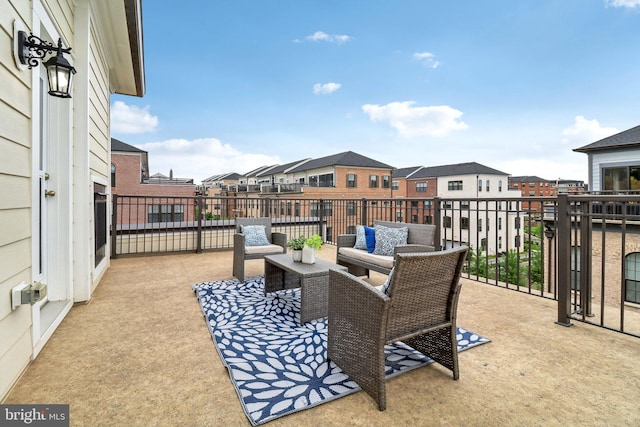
{"type": "Point", "coordinates": [15, 196]}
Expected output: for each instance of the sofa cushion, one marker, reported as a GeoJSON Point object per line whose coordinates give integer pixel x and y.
{"type": "Point", "coordinates": [265, 249]}
{"type": "Point", "coordinates": [255, 235]}
{"type": "Point", "coordinates": [370, 237]}
{"type": "Point", "coordinates": [388, 238]}
{"type": "Point", "coordinates": [361, 242]}
{"type": "Point", "coordinates": [362, 255]}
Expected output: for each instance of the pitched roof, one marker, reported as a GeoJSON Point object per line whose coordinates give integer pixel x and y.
{"type": "Point", "coordinates": [470, 168]}
{"type": "Point", "coordinates": [405, 172]}
{"type": "Point", "coordinates": [627, 138]}
{"type": "Point", "coordinates": [529, 178]}
{"type": "Point", "coordinates": [117, 145]}
{"type": "Point", "coordinates": [347, 158]}
{"type": "Point", "coordinates": [282, 168]}
{"type": "Point", "coordinates": [256, 171]}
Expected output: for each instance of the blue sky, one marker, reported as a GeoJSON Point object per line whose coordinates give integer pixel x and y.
{"type": "Point", "coordinates": [514, 85]}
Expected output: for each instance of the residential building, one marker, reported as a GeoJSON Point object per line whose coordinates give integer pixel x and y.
{"type": "Point", "coordinates": [54, 168]}
{"type": "Point", "coordinates": [167, 199]}
{"type": "Point", "coordinates": [533, 186]}
{"type": "Point", "coordinates": [466, 219]}
{"type": "Point", "coordinates": [614, 162]}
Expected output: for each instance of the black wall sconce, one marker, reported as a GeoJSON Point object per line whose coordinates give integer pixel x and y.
{"type": "Point", "coordinates": [32, 49]}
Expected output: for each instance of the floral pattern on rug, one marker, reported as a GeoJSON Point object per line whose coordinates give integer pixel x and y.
{"type": "Point", "coordinates": [277, 366]}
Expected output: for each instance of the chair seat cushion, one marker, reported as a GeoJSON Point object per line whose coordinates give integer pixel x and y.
{"type": "Point", "coordinates": [362, 255]}
{"type": "Point", "coordinates": [264, 249]}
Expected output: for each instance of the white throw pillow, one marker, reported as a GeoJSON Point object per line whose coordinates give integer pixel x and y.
{"type": "Point", "coordinates": [254, 235]}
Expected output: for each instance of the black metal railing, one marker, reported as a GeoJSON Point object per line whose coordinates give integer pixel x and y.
{"type": "Point", "coordinates": [578, 250]}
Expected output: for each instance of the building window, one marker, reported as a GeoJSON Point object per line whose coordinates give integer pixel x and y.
{"type": "Point", "coordinates": [352, 180]}
{"type": "Point", "coordinates": [455, 185]}
{"type": "Point", "coordinates": [428, 204]}
{"type": "Point", "coordinates": [483, 244]}
{"type": "Point", "coordinates": [329, 234]}
{"type": "Point", "coordinates": [621, 178]}
{"type": "Point", "coordinates": [479, 185]}
{"type": "Point", "coordinates": [395, 185]}
{"type": "Point", "coordinates": [479, 224]}
{"type": "Point", "coordinates": [414, 219]}
{"type": "Point", "coordinates": [327, 209]}
{"type": "Point", "coordinates": [499, 242]}
{"type": "Point", "coordinates": [165, 213]}
{"type": "Point", "coordinates": [464, 223]}
{"type": "Point", "coordinates": [296, 209]}
{"type": "Point", "coordinates": [421, 187]}
{"type": "Point", "coordinates": [500, 185]}
{"type": "Point", "coordinates": [517, 222]}
{"type": "Point", "coordinates": [386, 179]}
{"type": "Point", "coordinates": [428, 219]}
{"type": "Point", "coordinates": [464, 205]}
{"type": "Point", "coordinates": [488, 185]}
{"type": "Point", "coordinates": [414, 204]}
{"type": "Point", "coordinates": [113, 175]}
{"type": "Point", "coordinates": [351, 209]}
{"type": "Point", "coordinates": [351, 229]}
{"type": "Point", "coordinates": [632, 278]}
{"type": "Point", "coordinates": [373, 181]}
{"type": "Point", "coordinates": [532, 185]}
{"type": "Point", "coordinates": [447, 222]}
{"type": "Point", "coordinates": [515, 185]}
{"type": "Point", "coordinates": [499, 223]}
{"type": "Point", "coordinates": [399, 215]}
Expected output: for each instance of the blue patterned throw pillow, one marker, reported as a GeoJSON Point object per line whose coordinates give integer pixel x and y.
{"type": "Point", "coordinates": [255, 235]}
{"type": "Point", "coordinates": [388, 238]}
{"type": "Point", "coordinates": [361, 242]}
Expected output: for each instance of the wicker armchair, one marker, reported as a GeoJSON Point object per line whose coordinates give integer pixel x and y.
{"type": "Point", "coordinates": [241, 253]}
{"type": "Point", "coordinates": [418, 309]}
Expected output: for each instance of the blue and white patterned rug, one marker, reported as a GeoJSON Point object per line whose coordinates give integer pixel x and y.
{"type": "Point", "coordinates": [277, 366]}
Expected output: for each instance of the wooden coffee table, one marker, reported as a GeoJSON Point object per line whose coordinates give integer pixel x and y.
{"type": "Point", "coordinates": [281, 272]}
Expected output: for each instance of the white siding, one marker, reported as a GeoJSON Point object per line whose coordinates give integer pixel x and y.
{"type": "Point", "coordinates": [608, 159]}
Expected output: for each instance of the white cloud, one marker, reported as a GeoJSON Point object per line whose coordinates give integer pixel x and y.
{"type": "Point", "coordinates": [131, 119]}
{"type": "Point", "coordinates": [325, 88]}
{"type": "Point", "coordinates": [623, 3]}
{"type": "Point", "coordinates": [412, 121]}
{"type": "Point", "coordinates": [427, 58]}
{"type": "Point", "coordinates": [201, 158]}
{"type": "Point", "coordinates": [320, 36]}
{"type": "Point", "coordinates": [584, 131]}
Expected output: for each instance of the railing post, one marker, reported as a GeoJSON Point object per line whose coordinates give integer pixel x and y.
{"type": "Point", "coordinates": [363, 211]}
{"type": "Point", "coordinates": [585, 258]}
{"type": "Point", "coordinates": [320, 216]}
{"type": "Point", "coordinates": [564, 260]}
{"type": "Point", "coordinates": [114, 226]}
{"type": "Point", "coordinates": [437, 221]}
{"type": "Point", "coordinates": [199, 232]}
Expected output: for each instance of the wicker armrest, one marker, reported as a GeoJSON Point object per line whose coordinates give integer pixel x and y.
{"type": "Point", "coordinates": [238, 240]}
{"type": "Point", "coordinates": [279, 239]}
{"type": "Point", "coordinates": [346, 240]}
{"type": "Point", "coordinates": [413, 248]}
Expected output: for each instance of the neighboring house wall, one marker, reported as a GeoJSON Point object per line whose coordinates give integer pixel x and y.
{"type": "Point", "coordinates": [51, 239]}
{"type": "Point", "coordinates": [128, 182]}
{"type": "Point", "coordinates": [598, 160]}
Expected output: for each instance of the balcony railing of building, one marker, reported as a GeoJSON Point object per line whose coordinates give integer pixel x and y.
{"type": "Point", "coordinates": [582, 251]}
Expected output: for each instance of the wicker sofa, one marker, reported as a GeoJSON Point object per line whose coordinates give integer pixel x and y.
{"type": "Point", "coordinates": [421, 238]}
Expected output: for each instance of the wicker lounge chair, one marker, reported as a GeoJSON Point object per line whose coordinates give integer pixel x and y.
{"type": "Point", "coordinates": [418, 309]}
{"type": "Point", "coordinates": [241, 252]}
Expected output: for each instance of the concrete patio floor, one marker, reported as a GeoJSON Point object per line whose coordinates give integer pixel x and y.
{"type": "Point", "coordinates": [140, 354]}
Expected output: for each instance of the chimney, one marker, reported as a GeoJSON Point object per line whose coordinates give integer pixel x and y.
{"type": "Point", "coordinates": [170, 174]}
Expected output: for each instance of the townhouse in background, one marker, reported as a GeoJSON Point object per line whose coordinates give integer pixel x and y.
{"type": "Point", "coordinates": [55, 165]}
{"type": "Point", "coordinates": [614, 162]}
{"type": "Point", "coordinates": [158, 198]}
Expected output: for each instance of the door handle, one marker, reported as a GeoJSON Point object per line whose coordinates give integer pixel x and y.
{"type": "Point", "coordinates": [49, 193]}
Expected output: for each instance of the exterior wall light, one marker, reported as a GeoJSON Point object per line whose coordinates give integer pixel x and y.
{"type": "Point", "coordinates": [31, 48]}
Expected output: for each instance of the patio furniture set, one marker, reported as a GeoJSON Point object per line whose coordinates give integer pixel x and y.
{"type": "Point", "coordinates": [417, 304]}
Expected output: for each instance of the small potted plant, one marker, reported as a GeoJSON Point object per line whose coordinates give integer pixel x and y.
{"type": "Point", "coordinates": [297, 244]}
{"type": "Point", "coordinates": [311, 245]}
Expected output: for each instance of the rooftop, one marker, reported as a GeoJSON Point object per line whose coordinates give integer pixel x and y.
{"type": "Point", "coordinates": [140, 354]}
